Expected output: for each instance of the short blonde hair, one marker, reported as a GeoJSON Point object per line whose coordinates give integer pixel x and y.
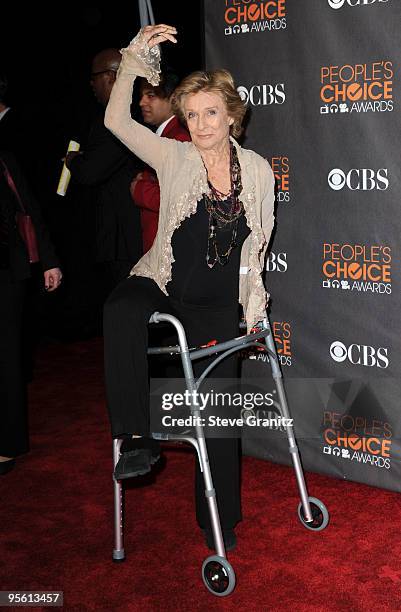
{"type": "Point", "coordinates": [217, 81]}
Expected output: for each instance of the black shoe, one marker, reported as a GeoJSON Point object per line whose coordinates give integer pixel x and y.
{"type": "Point", "coordinates": [137, 457]}
{"type": "Point", "coordinates": [130, 444]}
{"type": "Point", "coordinates": [229, 537]}
{"type": "Point", "coordinates": [6, 466]}
{"type": "Point", "coordinates": [133, 463]}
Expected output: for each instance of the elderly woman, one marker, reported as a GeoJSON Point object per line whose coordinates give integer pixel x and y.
{"type": "Point", "coordinates": [216, 217]}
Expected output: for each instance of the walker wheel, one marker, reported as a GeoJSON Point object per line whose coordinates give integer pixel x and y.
{"type": "Point", "coordinates": [320, 515]}
{"type": "Point", "coordinates": [218, 575]}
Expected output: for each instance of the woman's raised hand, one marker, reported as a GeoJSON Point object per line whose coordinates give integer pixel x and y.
{"type": "Point", "coordinates": [156, 34]}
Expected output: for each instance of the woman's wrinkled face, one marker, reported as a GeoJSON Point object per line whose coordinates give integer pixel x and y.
{"type": "Point", "coordinates": [207, 119]}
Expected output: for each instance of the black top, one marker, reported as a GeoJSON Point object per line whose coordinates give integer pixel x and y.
{"type": "Point", "coordinates": [193, 283]}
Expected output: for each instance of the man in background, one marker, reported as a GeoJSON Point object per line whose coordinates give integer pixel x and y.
{"type": "Point", "coordinates": [105, 168]}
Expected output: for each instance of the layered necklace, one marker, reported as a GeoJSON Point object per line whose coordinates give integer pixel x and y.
{"type": "Point", "coordinates": [224, 210]}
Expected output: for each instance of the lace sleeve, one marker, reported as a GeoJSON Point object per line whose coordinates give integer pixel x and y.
{"type": "Point", "coordinates": [139, 60]}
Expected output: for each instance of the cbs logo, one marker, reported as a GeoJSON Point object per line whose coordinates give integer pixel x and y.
{"type": "Point", "coordinates": [263, 95]}
{"type": "Point", "coordinates": [364, 179]}
{"type": "Point", "coordinates": [277, 262]}
{"type": "Point", "coordinates": [360, 355]}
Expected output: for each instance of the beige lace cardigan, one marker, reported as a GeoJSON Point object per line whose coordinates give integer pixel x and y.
{"type": "Point", "coordinates": [183, 181]}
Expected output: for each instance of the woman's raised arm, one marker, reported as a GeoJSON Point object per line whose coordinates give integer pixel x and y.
{"type": "Point", "coordinates": [140, 58]}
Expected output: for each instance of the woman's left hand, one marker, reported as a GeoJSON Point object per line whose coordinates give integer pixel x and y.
{"type": "Point", "coordinates": [52, 278]}
{"type": "Point", "coordinates": [156, 34]}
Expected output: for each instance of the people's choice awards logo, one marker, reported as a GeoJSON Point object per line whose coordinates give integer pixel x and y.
{"type": "Point", "coordinates": [358, 179]}
{"type": "Point", "coordinates": [281, 169]}
{"type": "Point", "coordinates": [282, 334]}
{"type": "Point", "coordinates": [357, 88]}
{"type": "Point", "coordinates": [358, 354]}
{"type": "Point", "coordinates": [357, 267]}
{"type": "Point", "coordinates": [263, 95]}
{"type": "Point", "coordinates": [249, 16]}
{"type": "Point", "coordinates": [337, 4]}
{"type": "Point", "coordinates": [357, 438]}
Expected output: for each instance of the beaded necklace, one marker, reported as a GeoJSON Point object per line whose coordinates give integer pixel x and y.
{"type": "Point", "coordinates": [224, 210]}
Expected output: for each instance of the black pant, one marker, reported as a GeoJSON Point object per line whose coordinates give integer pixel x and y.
{"type": "Point", "coordinates": [13, 402]}
{"type": "Point", "coordinates": [126, 316]}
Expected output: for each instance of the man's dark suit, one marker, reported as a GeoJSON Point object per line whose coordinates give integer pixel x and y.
{"type": "Point", "coordinates": [106, 168]}
{"type": "Point", "coordinates": [15, 269]}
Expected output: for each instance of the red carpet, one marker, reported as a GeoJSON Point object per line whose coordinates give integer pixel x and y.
{"type": "Point", "coordinates": [56, 520]}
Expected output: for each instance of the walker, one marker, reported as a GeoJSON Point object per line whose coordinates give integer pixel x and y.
{"type": "Point", "coordinates": [217, 573]}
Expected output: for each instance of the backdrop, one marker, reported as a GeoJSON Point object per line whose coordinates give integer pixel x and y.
{"type": "Point", "coordinates": [321, 80]}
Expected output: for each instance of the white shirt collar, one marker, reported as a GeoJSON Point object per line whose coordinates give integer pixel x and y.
{"type": "Point", "coordinates": [4, 112]}
{"type": "Point", "coordinates": [161, 127]}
